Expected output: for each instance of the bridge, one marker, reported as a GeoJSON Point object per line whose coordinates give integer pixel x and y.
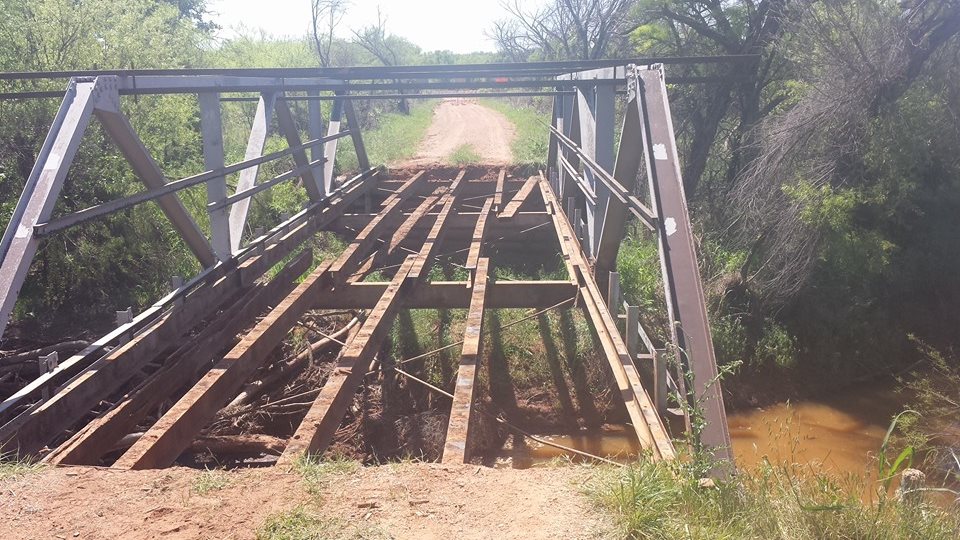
{"type": "Point", "coordinates": [194, 350]}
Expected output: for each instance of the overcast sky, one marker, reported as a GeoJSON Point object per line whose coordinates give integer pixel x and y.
{"type": "Point", "coordinates": [456, 25]}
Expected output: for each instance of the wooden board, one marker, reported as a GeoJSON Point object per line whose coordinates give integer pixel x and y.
{"type": "Point", "coordinates": [162, 444]}
{"type": "Point", "coordinates": [521, 197]}
{"type": "Point", "coordinates": [479, 233]}
{"type": "Point", "coordinates": [96, 438]}
{"type": "Point", "coordinates": [456, 449]}
{"type": "Point", "coordinates": [324, 417]}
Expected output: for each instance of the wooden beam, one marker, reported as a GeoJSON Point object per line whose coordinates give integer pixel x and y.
{"type": "Point", "coordinates": [411, 221]}
{"type": "Point", "coordinates": [479, 232]}
{"type": "Point", "coordinates": [557, 216]}
{"type": "Point", "coordinates": [452, 295]}
{"type": "Point", "coordinates": [165, 441]}
{"type": "Point", "coordinates": [456, 449]}
{"type": "Point", "coordinates": [437, 232]}
{"type": "Point", "coordinates": [514, 206]}
{"type": "Point", "coordinates": [325, 415]}
{"type": "Point", "coordinates": [388, 216]}
{"type": "Point", "coordinates": [498, 195]}
{"type": "Point", "coordinates": [99, 436]}
{"type": "Point", "coordinates": [646, 423]}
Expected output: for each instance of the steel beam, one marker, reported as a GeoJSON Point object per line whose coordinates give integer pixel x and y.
{"type": "Point", "coordinates": [354, 124]}
{"type": "Point", "coordinates": [259, 132]}
{"type": "Point", "coordinates": [40, 193]}
{"type": "Point", "coordinates": [288, 127]}
{"type": "Point", "coordinates": [211, 132]}
{"type": "Point", "coordinates": [686, 302]}
{"type": "Point", "coordinates": [330, 149]}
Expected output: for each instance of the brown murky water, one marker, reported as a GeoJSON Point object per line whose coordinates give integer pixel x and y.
{"type": "Point", "coordinates": [842, 434]}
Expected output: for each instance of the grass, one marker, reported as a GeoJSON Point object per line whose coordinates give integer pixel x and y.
{"type": "Point", "coordinates": [211, 480]}
{"type": "Point", "coordinates": [12, 468]}
{"type": "Point", "coordinates": [301, 524]}
{"type": "Point", "coordinates": [395, 138]}
{"type": "Point", "coordinates": [317, 472]}
{"type": "Point", "coordinates": [666, 500]}
{"type": "Point", "coordinates": [532, 138]}
{"type": "Point", "coordinates": [465, 154]}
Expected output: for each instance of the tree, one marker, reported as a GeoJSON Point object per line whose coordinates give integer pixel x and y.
{"type": "Point", "coordinates": [326, 15]}
{"type": "Point", "coordinates": [389, 49]}
{"type": "Point", "coordinates": [565, 29]}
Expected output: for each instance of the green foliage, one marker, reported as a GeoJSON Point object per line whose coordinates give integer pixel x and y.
{"type": "Point", "coordinates": [13, 467]}
{"type": "Point", "coordinates": [667, 500]}
{"type": "Point", "coordinates": [318, 472]}
{"type": "Point", "coordinates": [211, 480]}
{"type": "Point", "coordinates": [395, 138]}
{"type": "Point", "coordinates": [301, 523]}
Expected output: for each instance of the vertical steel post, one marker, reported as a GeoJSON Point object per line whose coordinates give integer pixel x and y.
{"type": "Point", "coordinates": [330, 147]}
{"type": "Point", "coordinates": [632, 336]}
{"type": "Point", "coordinates": [613, 293]}
{"type": "Point", "coordinates": [315, 131]}
{"type": "Point", "coordinates": [686, 302]}
{"type": "Point", "coordinates": [211, 132]}
{"type": "Point", "coordinates": [259, 132]}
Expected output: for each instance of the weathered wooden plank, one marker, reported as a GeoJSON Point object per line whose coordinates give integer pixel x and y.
{"type": "Point", "coordinates": [96, 438]}
{"type": "Point", "coordinates": [162, 444]}
{"type": "Point", "coordinates": [521, 197]}
{"type": "Point", "coordinates": [435, 236]}
{"type": "Point", "coordinates": [365, 239]}
{"type": "Point", "coordinates": [479, 233]}
{"type": "Point", "coordinates": [498, 194]}
{"type": "Point", "coordinates": [456, 448]}
{"type": "Point", "coordinates": [453, 295]}
{"type": "Point", "coordinates": [647, 424]}
{"type": "Point", "coordinates": [411, 221]}
{"type": "Point", "coordinates": [324, 417]}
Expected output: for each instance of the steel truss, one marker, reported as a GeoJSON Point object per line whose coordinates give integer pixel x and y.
{"type": "Point", "coordinates": [586, 201]}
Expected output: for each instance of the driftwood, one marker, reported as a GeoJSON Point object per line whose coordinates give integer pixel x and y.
{"type": "Point", "coordinates": [15, 362]}
{"type": "Point", "coordinates": [256, 388]}
{"type": "Point", "coordinates": [221, 444]}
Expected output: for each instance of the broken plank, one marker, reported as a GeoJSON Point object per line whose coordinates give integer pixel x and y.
{"type": "Point", "coordinates": [456, 449]}
{"type": "Point", "coordinates": [514, 205]}
{"type": "Point", "coordinates": [99, 436]}
{"type": "Point", "coordinates": [325, 415]}
{"type": "Point", "coordinates": [498, 194]}
{"type": "Point", "coordinates": [479, 232]}
{"type": "Point", "coordinates": [173, 432]}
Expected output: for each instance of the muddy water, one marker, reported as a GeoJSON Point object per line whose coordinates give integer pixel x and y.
{"type": "Point", "coordinates": [842, 433]}
{"type": "Point", "coordinates": [614, 442]}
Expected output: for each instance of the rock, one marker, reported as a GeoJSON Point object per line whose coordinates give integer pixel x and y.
{"type": "Point", "coordinates": [706, 483]}
{"type": "Point", "coordinates": [911, 486]}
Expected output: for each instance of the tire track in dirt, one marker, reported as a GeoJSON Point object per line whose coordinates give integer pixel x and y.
{"type": "Point", "coordinates": [458, 122]}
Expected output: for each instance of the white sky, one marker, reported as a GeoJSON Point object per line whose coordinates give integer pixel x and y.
{"type": "Point", "coordinates": [456, 25]}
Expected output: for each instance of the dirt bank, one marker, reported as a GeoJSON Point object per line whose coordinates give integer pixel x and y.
{"type": "Point", "coordinates": [396, 501]}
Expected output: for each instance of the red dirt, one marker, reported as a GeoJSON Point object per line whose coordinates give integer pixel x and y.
{"type": "Point", "coordinates": [395, 501]}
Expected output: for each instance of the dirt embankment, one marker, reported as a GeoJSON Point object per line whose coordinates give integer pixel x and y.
{"type": "Point", "coordinates": [459, 122]}
{"type": "Point", "coordinates": [398, 501]}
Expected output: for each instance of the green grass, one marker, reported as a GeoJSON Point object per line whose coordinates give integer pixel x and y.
{"type": "Point", "coordinates": [12, 468]}
{"type": "Point", "coordinates": [301, 524]}
{"type": "Point", "coordinates": [665, 500]}
{"type": "Point", "coordinates": [317, 472]}
{"type": "Point", "coordinates": [532, 139]}
{"type": "Point", "coordinates": [395, 138]}
{"type": "Point", "coordinates": [465, 154]}
{"type": "Point", "coordinates": [211, 480]}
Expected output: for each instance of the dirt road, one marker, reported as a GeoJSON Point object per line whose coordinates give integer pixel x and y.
{"type": "Point", "coordinates": [421, 501]}
{"type": "Point", "coordinates": [459, 122]}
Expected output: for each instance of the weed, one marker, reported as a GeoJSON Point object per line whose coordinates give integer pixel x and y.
{"type": "Point", "coordinates": [464, 154]}
{"type": "Point", "coordinates": [667, 500]}
{"type": "Point", "coordinates": [316, 472]}
{"type": "Point", "coordinates": [13, 467]}
{"type": "Point", "coordinates": [394, 139]}
{"type": "Point", "coordinates": [211, 480]}
{"type": "Point", "coordinates": [301, 524]}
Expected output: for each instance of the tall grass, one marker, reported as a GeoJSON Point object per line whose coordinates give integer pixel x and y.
{"type": "Point", "coordinates": [395, 138]}
{"type": "Point", "coordinates": [667, 500]}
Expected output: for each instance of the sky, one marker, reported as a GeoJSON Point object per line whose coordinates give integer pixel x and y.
{"type": "Point", "coordinates": [455, 25]}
